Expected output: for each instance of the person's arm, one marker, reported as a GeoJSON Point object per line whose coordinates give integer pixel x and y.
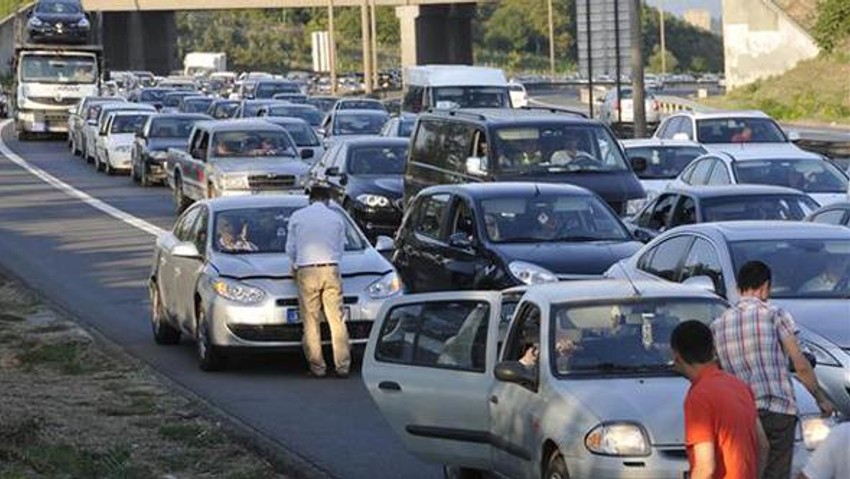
{"type": "Point", "coordinates": [805, 373]}
{"type": "Point", "coordinates": [291, 244]}
{"type": "Point", "coordinates": [763, 447]}
{"type": "Point", "coordinates": [704, 463]}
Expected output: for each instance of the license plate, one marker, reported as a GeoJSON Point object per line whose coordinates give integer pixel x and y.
{"type": "Point", "coordinates": [38, 127]}
{"type": "Point", "coordinates": [293, 315]}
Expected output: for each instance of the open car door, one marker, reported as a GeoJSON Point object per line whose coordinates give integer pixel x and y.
{"type": "Point", "coordinates": [429, 368]}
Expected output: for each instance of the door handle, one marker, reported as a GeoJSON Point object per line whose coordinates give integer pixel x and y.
{"type": "Point", "coordinates": [494, 399]}
{"type": "Point", "coordinates": [389, 386]}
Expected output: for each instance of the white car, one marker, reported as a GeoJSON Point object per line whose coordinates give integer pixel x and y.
{"type": "Point", "coordinates": [115, 140]}
{"type": "Point", "coordinates": [602, 402]}
{"type": "Point", "coordinates": [725, 130]}
{"type": "Point", "coordinates": [608, 111]}
{"type": "Point", "coordinates": [657, 163]}
{"type": "Point", "coordinates": [93, 126]}
{"type": "Point", "coordinates": [519, 96]}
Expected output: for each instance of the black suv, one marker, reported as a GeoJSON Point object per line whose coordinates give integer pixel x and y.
{"type": "Point", "coordinates": [540, 145]}
{"type": "Point", "coordinates": [61, 21]}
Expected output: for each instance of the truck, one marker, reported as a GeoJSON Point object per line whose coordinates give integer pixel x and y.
{"type": "Point", "coordinates": [49, 80]}
{"type": "Point", "coordinates": [204, 63]}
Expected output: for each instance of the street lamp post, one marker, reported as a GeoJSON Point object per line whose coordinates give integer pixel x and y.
{"type": "Point", "coordinates": [663, 39]}
{"type": "Point", "coordinates": [551, 41]}
{"type": "Point", "coordinates": [374, 45]}
{"type": "Point", "coordinates": [331, 46]}
{"type": "Point", "coordinates": [365, 29]}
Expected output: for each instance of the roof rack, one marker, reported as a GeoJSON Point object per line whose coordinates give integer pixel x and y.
{"type": "Point", "coordinates": [458, 112]}
{"type": "Point", "coordinates": [554, 109]}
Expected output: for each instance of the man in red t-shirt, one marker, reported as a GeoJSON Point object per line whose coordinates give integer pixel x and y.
{"type": "Point", "coordinates": [723, 436]}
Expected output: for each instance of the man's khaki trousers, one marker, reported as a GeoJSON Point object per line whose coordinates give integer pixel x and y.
{"type": "Point", "coordinates": [320, 289]}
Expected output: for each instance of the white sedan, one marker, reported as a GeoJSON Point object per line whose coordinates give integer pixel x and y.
{"type": "Point", "coordinates": [115, 140]}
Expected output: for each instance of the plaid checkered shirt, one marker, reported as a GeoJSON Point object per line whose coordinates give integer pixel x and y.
{"type": "Point", "coordinates": [748, 341]}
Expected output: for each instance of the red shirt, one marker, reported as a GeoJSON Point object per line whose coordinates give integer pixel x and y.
{"type": "Point", "coordinates": [721, 409]}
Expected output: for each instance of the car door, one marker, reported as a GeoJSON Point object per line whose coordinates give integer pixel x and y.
{"type": "Point", "coordinates": [186, 270]}
{"type": "Point", "coordinates": [429, 368]}
{"type": "Point", "coordinates": [195, 171]}
{"type": "Point", "coordinates": [656, 217]}
{"type": "Point", "coordinates": [167, 269]}
{"type": "Point", "coordinates": [701, 172]}
{"type": "Point", "coordinates": [719, 175]}
{"type": "Point", "coordinates": [664, 260]}
{"type": "Point", "coordinates": [427, 247]}
{"type": "Point", "coordinates": [463, 258]}
{"type": "Point", "coordinates": [337, 182]}
{"type": "Point", "coordinates": [685, 212]}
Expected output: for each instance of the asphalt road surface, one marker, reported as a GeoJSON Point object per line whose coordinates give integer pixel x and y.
{"type": "Point", "coordinates": [90, 253]}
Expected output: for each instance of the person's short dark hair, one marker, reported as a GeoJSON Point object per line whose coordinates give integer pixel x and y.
{"type": "Point", "coordinates": [693, 341]}
{"type": "Point", "coordinates": [753, 275]}
{"type": "Point", "coordinates": [320, 193]}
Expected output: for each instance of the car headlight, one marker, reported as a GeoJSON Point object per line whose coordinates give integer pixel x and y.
{"type": "Point", "coordinates": [822, 355]}
{"type": "Point", "coordinates": [374, 201]}
{"type": "Point", "coordinates": [83, 23]}
{"type": "Point", "coordinates": [617, 439]}
{"type": "Point", "coordinates": [237, 292]}
{"type": "Point", "coordinates": [529, 273]}
{"type": "Point", "coordinates": [35, 22]}
{"type": "Point", "coordinates": [234, 182]}
{"type": "Point", "coordinates": [815, 429]}
{"type": "Point", "coordinates": [385, 287]}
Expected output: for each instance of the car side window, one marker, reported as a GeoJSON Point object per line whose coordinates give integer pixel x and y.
{"type": "Point", "coordinates": [666, 257]}
{"type": "Point", "coordinates": [432, 215]}
{"type": "Point", "coordinates": [199, 230]}
{"type": "Point", "coordinates": [524, 336]}
{"type": "Point", "coordinates": [686, 212]}
{"type": "Point", "coordinates": [832, 217]}
{"type": "Point", "coordinates": [424, 148]}
{"type": "Point", "coordinates": [439, 334]}
{"type": "Point", "coordinates": [664, 129]}
{"type": "Point", "coordinates": [463, 222]}
{"type": "Point", "coordinates": [719, 175]}
{"type": "Point", "coordinates": [661, 213]}
{"type": "Point", "coordinates": [702, 260]}
{"type": "Point", "coordinates": [701, 171]}
{"type": "Point", "coordinates": [203, 144]}
{"type": "Point", "coordinates": [646, 215]}
{"type": "Point", "coordinates": [457, 145]}
{"type": "Point", "coordinates": [183, 228]}
{"type": "Point", "coordinates": [687, 127]}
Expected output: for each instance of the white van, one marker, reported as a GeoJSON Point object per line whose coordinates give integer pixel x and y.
{"type": "Point", "coordinates": [454, 86]}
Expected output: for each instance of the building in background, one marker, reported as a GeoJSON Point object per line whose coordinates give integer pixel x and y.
{"type": "Point", "coordinates": [604, 16]}
{"type": "Point", "coordinates": [699, 18]}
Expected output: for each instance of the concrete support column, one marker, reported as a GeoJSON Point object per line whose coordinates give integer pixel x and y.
{"type": "Point", "coordinates": [436, 34]}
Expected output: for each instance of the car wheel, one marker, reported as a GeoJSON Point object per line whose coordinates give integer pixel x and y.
{"type": "Point", "coordinates": [209, 356]}
{"type": "Point", "coordinates": [556, 468]}
{"type": "Point", "coordinates": [453, 472]}
{"type": "Point", "coordinates": [180, 200]}
{"type": "Point", "coordinates": [163, 333]}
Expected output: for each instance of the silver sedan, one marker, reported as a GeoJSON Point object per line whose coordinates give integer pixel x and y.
{"type": "Point", "coordinates": [221, 276]}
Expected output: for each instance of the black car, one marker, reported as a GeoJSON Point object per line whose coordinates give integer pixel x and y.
{"type": "Point", "coordinates": [499, 235]}
{"type": "Point", "coordinates": [150, 148]}
{"type": "Point", "coordinates": [62, 21]}
{"type": "Point", "coordinates": [223, 109]}
{"type": "Point", "coordinates": [308, 113]}
{"type": "Point", "coordinates": [195, 104]}
{"type": "Point", "coordinates": [251, 108]}
{"type": "Point", "coordinates": [687, 205]}
{"type": "Point", "coordinates": [834, 214]}
{"type": "Point", "coordinates": [366, 176]}
{"type": "Point", "coordinates": [323, 103]}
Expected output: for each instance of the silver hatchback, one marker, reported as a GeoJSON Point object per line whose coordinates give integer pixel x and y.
{"type": "Point", "coordinates": [222, 277]}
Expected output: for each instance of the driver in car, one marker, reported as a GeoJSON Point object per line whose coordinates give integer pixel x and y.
{"type": "Point", "coordinates": [828, 279]}
{"type": "Point", "coordinates": [228, 241]}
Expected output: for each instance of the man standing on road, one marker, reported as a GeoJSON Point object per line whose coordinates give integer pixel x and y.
{"type": "Point", "coordinates": [723, 435]}
{"type": "Point", "coordinates": [754, 341]}
{"type": "Point", "coordinates": [315, 243]}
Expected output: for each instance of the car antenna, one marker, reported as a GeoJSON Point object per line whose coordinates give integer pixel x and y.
{"type": "Point", "coordinates": [629, 279]}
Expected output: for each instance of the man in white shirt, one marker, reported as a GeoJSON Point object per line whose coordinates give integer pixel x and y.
{"type": "Point", "coordinates": [315, 244]}
{"type": "Point", "coordinates": [831, 459]}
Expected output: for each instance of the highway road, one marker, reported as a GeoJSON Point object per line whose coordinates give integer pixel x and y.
{"type": "Point", "coordinates": [84, 241]}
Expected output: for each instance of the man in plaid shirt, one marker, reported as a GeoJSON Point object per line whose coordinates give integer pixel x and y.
{"type": "Point", "coordinates": [754, 341]}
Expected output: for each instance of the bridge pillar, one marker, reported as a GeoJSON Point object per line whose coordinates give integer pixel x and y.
{"type": "Point", "coordinates": [436, 34]}
{"type": "Point", "coordinates": [140, 41]}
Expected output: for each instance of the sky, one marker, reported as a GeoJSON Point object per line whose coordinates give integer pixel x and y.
{"type": "Point", "coordinates": [679, 6]}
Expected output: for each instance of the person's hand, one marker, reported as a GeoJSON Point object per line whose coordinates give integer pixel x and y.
{"type": "Point", "coordinates": [530, 357]}
{"type": "Point", "coordinates": [826, 407]}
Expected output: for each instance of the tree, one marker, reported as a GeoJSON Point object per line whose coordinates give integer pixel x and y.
{"type": "Point", "coordinates": [832, 26]}
{"type": "Point", "coordinates": [684, 41]}
{"type": "Point", "coordinates": [654, 63]}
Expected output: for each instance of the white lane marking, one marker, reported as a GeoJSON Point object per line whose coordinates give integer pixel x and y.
{"type": "Point", "coordinates": [75, 193]}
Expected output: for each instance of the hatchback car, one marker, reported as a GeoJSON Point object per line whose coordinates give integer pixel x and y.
{"type": "Point", "coordinates": [811, 269]}
{"type": "Point", "coordinates": [62, 21]}
{"type": "Point", "coordinates": [498, 235]}
{"type": "Point", "coordinates": [619, 113]}
{"type": "Point", "coordinates": [603, 400]}
{"type": "Point", "coordinates": [221, 276]}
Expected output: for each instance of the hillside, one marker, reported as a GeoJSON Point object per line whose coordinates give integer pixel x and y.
{"type": "Point", "coordinates": [804, 12]}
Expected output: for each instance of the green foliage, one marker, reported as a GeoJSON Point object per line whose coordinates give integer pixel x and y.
{"type": "Point", "coordinates": [693, 48]}
{"type": "Point", "coordinates": [654, 64]}
{"type": "Point", "coordinates": [833, 23]}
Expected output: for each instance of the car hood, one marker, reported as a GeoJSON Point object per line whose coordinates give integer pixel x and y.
{"type": "Point", "coordinates": [58, 17]}
{"type": "Point", "coordinates": [653, 402]}
{"type": "Point", "coordinates": [390, 186]}
{"type": "Point", "coordinates": [120, 139]}
{"type": "Point", "coordinates": [829, 318]}
{"type": "Point", "coordinates": [166, 143]}
{"type": "Point", "coordinates": [570, 260]}
{"type": "Point", "coordinates": [277, 265]}
{"type": "Point", "coordinates": [267, 164]}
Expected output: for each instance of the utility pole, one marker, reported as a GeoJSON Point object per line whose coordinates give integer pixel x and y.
{"type": "Point", "coordinates": [589, 56]}
{"type": "Point", "coordinates": [374, 23]}
{"type": "Point", "coordinates": [551, 42]}
{"type": "Point", "coordinates": [663, 39]}
{"type": "Point", "coordinates": [618, 63]}
{"type": "Point", "coordinates": [331, 46]}
{"type": "Point", "coordinates": [638, 92]}
{"type": "Point", "coordinates": [365, 30]}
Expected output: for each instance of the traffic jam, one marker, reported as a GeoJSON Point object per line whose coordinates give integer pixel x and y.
{"type": "Point", "coordinates": [511, 275]}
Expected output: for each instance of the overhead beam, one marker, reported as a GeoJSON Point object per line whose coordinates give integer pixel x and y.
{"type": "Point", "coordinates": [154, 5]}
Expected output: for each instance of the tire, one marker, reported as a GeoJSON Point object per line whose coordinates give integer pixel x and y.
{"type": "Point", "coordinates": [556, 468]}
{"type": "Point", "coordinates": [134, 177]}
{"type": "Point", "coordinates": [163, 333]}
{"type": "Point", "coordinates": [452, 472]}
{"type": "Point", "coordinates": [209, 356]}
{"type": "Point", "coordinates": [180, 200]}
{"type": "Point", "coordinates": [24, 136]}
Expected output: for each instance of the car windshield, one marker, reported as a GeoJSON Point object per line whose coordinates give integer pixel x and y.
{"type": "Point", "coordinates": [556, 148]}
{"type": "Point", "coordinates": [739, 130]}
{"type": "Point", "coordinates": [152, 95]}
{"type": "Point", "coordinates": [251, 109]}
{"type": "Point", "coordinates": [628, 336]}
{"type": "Point", "coordinates": [197, 105]}
{"type": "Point", "coordinates": [804, 268]}
{"type": "Point", "coordinates": [250, 144]}
{"type": "Point", "coordinates": [172, 127]}
{"type": "Point", "coordinates": [268, 90]}
{"type": "Point", "coordinates": [358, 124]}
{"type": "Point", "coordinates": [451, 97]}
{"type": "Point", "coordinates": [663, 162]}
{"type": "Point", "coordinates": [301, 134]}
{"type": "Point", "coordinates": [762, 207]}
{"type": "Point", "coordinates": [377, 160]}
{"type": "Point", "coordinates": [360, 105]}
{"type": "Point", "coordinates": [311, 115]}
{"type": "Point", "coordinates": [264, 230]}
{"type": "Point", "coordinates": [225, 110]}
{"type": "Point", "coordinates": [128, 123]}
{"type": "Point", "coordinates": [550, 218]}
{"type": "Point", "coordinates": [57, 7]}
{"type": "Point", "coordinates": [172, 100]}
{"type": "Point", "coordinates": [58, 69]}
{"type": "Point", "coordinates": [807, 175]}
{"type": "Point", "coordinates": [323, 104]}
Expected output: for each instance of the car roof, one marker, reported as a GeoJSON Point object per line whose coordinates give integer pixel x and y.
{"type": "Point", "coordinates": [454, 75]}
{"type": "Point", "coordinates": [843, 205]}
{"type": "Point", "coordinates": [358, 99]}
{"type": "Point", "coordinates": [199, 116]}
{"type": "Point", "coordinates": [197, 97]}
{"type": "Point", "coordinates": [762, 151]}
{"type": "Point", "coordinates": [721, 114]}
{"type": "Point", "coordinates": [502, 188]}
{"type": "Point", "coordinates": [376, 140]}
{"type": "Point", "coordinates": [284, 120]}
{"type": "Point", "coordinates": [361, 112]}
{"type": "Point", "coordinates": [511, 116]}
{"type": "Point", "coordinates": [612, 289]}
{"type": "Point", "coordinates": [658, 142]}
{"type": "Point", "coordinates": [125, 105]}
{"type": "Point", "coordinates": [774, 230]}
{"type": "Point", "coordinates": [240, 124]}
{"type": "Point", "coordinates": [718, 191]}
{"type": "Point", "coordinates": [256, 201]}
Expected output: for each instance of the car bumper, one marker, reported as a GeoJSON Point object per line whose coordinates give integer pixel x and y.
{"type": "Point", "coordinates": [377, 221]}
{"type": "Point", "coordinates": [50, 32]}
{"type": "Point", "coordinates": [119, 160]}
{"type": "Point", "coordinates": [42, 121]}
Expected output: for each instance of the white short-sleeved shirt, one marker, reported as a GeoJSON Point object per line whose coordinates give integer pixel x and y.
{"type": "Point", "coordinates": [831, 459]}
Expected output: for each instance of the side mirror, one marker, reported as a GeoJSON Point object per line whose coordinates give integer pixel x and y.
{"type": "Point", "coordinates": [332, 171]}
{"type": "Point", "coordinates": [701, 282]}
{"type": "Point", "coordinates": [384, 244]}
{"type": "Point", "coordinates": [186, 250]}
{"type": "Point", "coordinates": [91, 122]}
{"type": "Point", "coordinates": [794, 136]}
{"type": "Point", "coordinates": [307, 153]}
{"type": "Point", "coordinates": [681, 137]}
{"type": "Point", "coordinates": [639, 164]}
{"type": "Point", "coordinates": [476, 165]}
{"type": "Point", "coordinates": [321, 132]}
{"type": "Point", "coordinates": [639, 234]}
{"type": "Point", "coordinates": [514, 372]}
{"type": "Point", "coordinates": [460, 240]}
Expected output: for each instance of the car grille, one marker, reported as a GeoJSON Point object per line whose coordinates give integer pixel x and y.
{"type": "Point", "coordinates": [293, 332]}
{"type": "Point", "coordinates": [48, 100]}
{"type": "Point", "coordinates": [271, 181]}
{"type": "Point", "coordinates": [293, 302]}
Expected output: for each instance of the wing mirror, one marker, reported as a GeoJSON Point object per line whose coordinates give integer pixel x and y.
{"type": "Point", "coordinates": [641, 235]}
{"type": "Point", "coordinates": [794, 136]}
{"type": "Point", "coordinates": [186, 249]}
{"type": "Point", "coordinates": [476, 165]}
{"type": "Point", "coordinates": [701, 282]}
{"type": "Point", "coordinates": [384, 244]}
{"type": "Point", "coordinates": [307, 154]}
{"type": "Point", "coordinates": [639, 164]}
{"type": "Point", "coordinates": [460, 240]}
{"type": "Point", "coordinates": [91, 122]}
{"type": "Point", "coordinates": [332, 171]}
{"type": "Point", "coordinates": [514, 372]}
